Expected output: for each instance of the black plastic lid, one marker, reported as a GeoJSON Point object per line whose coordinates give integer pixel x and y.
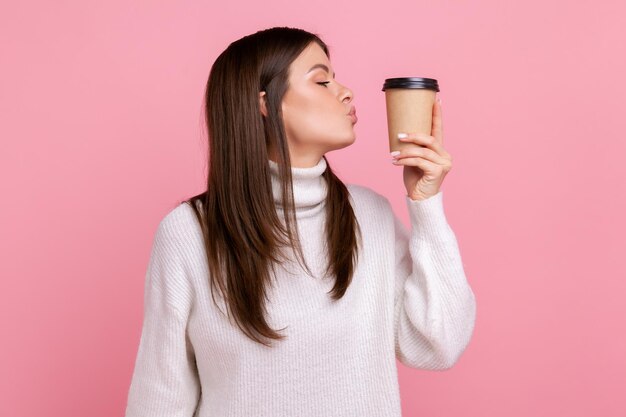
{"type": "Point", "coordinates": [411, 82]}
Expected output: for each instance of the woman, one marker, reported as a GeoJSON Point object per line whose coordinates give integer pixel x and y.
{"type": "Point", "coordinates": [355, 293]}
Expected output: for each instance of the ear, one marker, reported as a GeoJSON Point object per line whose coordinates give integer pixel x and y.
{"type": "Point", "coordinates": [262, 103]}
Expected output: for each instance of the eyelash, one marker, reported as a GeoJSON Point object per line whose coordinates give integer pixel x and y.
{"type": "Point", "coordinates": [324, 83]}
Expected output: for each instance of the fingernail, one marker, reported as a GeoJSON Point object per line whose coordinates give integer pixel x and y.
{"type": "Point", "coordinates": [402, 135]}
{"type": "Point", "coordinates": [439, 100]}
{"type": "Point", "coordinates": [395, 153]}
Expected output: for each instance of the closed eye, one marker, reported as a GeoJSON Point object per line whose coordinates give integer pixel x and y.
{"type": "Point", "coordinates": [324, 83]}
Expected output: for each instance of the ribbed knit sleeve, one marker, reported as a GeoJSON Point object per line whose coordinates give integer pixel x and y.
{"type": "Point", "coordinates": [165, 381]}
{"type": "Point", "coordinates": [435, 308]}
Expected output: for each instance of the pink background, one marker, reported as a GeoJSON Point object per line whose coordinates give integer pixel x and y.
{"type": "Point", "coordinates": [101, 133]}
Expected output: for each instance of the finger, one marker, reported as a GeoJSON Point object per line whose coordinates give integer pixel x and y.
{"type": "Point", "coordinates": [419, 151]}
{"type": "Point", "coordinates": [425, 141]}
{"type": "Point", "coordinates": [437, 124]}
{"type": "Point", "coordinates": [429, 168]}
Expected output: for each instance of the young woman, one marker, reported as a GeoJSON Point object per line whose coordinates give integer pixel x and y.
{"type": "Point", "coordinates": [320, 285]}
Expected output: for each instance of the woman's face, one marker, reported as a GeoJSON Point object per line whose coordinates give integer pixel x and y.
{"type": "Point", "coordinates": [315, 109]}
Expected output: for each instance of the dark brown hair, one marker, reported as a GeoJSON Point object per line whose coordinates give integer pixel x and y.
{"type": "Point", "coordinates": [243, 233]}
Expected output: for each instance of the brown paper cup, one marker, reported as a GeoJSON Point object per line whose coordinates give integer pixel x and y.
{"type": "Point", "coordinates": [409, 102]}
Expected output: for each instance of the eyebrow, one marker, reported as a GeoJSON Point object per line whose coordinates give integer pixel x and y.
{"type": "Point", "coordinates": [322, 66]}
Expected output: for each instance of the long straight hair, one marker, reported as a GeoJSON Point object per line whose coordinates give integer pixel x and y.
{"type": "Point", "coordinates": [243, 233]}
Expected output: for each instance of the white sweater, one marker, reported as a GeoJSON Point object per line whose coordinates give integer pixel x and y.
{"type": "Point", "coordinates": [409, 299]}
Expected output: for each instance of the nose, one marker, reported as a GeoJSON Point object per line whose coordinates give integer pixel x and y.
{"type": "Point", "coordinates": [346, 95]}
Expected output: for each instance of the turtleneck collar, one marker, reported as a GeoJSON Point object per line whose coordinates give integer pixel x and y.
{"type": "Point", "coordinates": [309, 188]}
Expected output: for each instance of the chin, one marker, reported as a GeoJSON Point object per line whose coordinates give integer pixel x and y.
{"type": "Point", "coordinates": [346, 142]}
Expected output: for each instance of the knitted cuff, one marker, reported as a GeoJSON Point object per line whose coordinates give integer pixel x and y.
{"type": "Point", "coordinates": [428, 216]}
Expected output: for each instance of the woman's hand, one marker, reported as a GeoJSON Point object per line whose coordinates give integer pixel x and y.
{"type": "Point", "coordinates": [426, 165]}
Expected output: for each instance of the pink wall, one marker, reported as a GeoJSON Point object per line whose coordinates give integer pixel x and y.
{"type": "Point", "coordinates": [101, 134]}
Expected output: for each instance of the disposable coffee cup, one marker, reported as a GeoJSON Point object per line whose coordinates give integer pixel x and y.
{"type": "Point", "coordinates": [409, 102]}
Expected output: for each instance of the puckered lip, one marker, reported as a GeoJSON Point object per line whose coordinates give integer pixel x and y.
{"type": "Point", "coordinates": [352, 111]}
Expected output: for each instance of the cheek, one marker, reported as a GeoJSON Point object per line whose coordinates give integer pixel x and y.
{"type": "Point", "coordinates": [312, 114]}
{"type": "Point", "coordinates": [311, 118]}
{"type": "Point", "coordinates": [305, 124]}
{"type": "Point", "coordinates": [304, 114]}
